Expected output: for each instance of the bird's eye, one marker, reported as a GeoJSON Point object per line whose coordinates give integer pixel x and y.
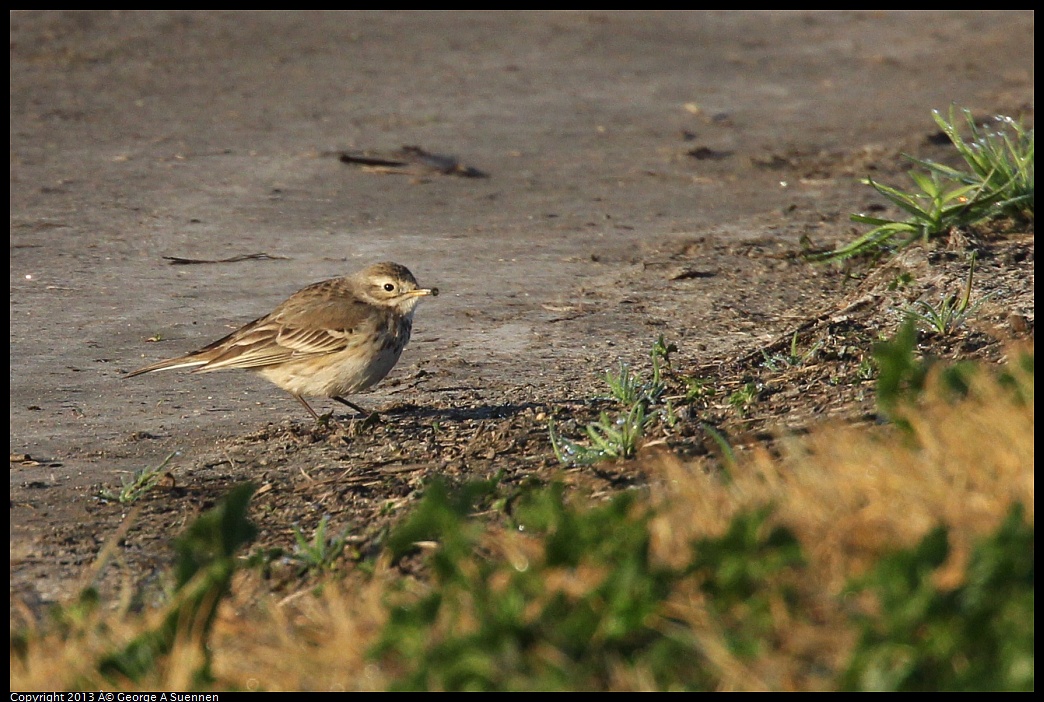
{"type": "Point", "coordinates": [389, 287]}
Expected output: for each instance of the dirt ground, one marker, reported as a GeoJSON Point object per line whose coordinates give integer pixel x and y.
{"type": "Point", "coordinates": [638, 174]}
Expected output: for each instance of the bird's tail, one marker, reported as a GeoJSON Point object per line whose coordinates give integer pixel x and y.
{"type": "Point", "coordinates": [189, 361]}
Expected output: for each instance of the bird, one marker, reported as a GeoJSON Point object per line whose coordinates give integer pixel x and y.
{"type": "Point", "coordinates": [333, 338]}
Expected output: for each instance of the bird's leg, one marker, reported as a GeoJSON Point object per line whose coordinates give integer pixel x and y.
{"type": "Point", "coordinates": [357, 408]}
{"type": "Point", "coordinates": [309, 408]}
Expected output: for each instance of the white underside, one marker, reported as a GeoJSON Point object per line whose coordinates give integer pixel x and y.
{"type": "Point", "coordinates": [345, 373]}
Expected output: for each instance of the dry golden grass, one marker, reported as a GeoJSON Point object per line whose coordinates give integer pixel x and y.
{"type": "Point", "coordinates": [848, 494]}
{"type": "Point", "coordinates": [851, 494]}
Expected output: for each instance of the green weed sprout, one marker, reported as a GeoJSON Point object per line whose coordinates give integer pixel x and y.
{"type": "Point", "coordinates": [998, 182]}
{"type": "Point", "coordinates": [611, 439]}
{"type": "Point", "coordinates": [951, 312]}
{"type": "Point", "coordinates": [138, 484]}
{"type": "Point", "coordinates": [321, 552]}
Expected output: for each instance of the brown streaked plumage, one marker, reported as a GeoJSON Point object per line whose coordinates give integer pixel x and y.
{"type": "Point", "coordinates": [330, 339]}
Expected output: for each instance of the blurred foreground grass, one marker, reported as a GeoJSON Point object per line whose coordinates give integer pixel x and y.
{"type": "Point", "coordinates": [893, 557]}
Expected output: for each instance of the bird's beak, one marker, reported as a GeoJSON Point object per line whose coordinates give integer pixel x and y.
{"type": "Point", "coordinates": [420, 292]}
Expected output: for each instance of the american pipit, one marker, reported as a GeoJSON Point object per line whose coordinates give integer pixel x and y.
{"type": "Point", "coordinates": [333, 338]}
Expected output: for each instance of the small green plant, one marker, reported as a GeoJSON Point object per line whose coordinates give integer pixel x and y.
{"type": "Point", "coordinates": [321, 553]}
{"type": "Point", "coordinates": [618, 437]}
{"type": "Point", "coordinates": [951, 312]}
{"type": "Point", "coordinates": [901, 375]}
{"type": "Point", "coordinates": [668, 414]}
{"type": "Point", "coordinates": [611, 439]}
{"type": "Point", "coordinates": [944, 317]}
{"type": "Point", "coordinates": [999, 182]}
{"type": "Point", "coordinates": [999, 162]}
{"type": "Point", "coordinates": [661, 360]}
{"type": "Point", "coordinates": [138, 484]}
{"type": "Point", "coordinates": [204, 563]}
{"type": "Point", "coordinates": [697, 388]}
{"type": "Point", "coordinates": [794, 359]}
{"type": "Point", "coordinates": [442, 514]}
{"type": "Point", "coordinates": [901, 281]}
{"type": "Point", "coordinates": [978, 636]}
{"type": "Point", "coordinates": [728, 454]}
{"type": "Point", "coordinates": [933, 210]}
{"type": "Point", "coordinates": [626, 387]}
{"type": "Point", "coordinates": [742, 399]}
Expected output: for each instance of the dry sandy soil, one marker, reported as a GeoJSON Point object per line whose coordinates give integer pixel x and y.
{"type": "Point", "coordinates": [644, 174]}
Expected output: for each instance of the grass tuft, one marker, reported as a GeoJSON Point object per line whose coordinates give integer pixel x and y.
{"type": "Point", "coordinates": [998, 182]}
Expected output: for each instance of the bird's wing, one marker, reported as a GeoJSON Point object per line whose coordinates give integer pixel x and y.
{"type": "Point", "coordinates": [299, 328]}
